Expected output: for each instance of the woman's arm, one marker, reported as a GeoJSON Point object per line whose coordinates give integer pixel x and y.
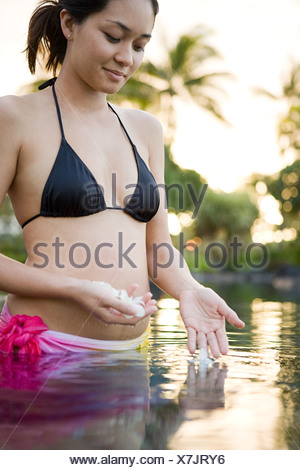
{"type": "Point", "coordinates": [202, 310]}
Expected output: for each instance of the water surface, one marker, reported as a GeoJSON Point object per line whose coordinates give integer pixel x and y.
{"type": "Point", "coordinates": [155, 399]}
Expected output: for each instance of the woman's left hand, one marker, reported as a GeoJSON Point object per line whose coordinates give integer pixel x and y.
{"type": "Point", "coordinates": [203, 313]}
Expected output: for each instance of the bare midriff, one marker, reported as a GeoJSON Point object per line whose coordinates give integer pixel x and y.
{"type": "Point", "coordinates": [108, 246]}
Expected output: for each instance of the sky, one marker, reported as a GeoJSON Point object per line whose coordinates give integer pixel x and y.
{"type": "Point", "coordinates": [258, 41]}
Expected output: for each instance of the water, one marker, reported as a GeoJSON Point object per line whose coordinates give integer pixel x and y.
{"type": "Point", "coordinates": [155, 399]}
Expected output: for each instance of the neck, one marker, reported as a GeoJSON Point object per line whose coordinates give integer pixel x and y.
{"type": "Point", "coordinates": [79, 94]}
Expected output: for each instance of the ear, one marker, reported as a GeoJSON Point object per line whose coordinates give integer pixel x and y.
{"type": "Point", "coordinates": [67, 24]}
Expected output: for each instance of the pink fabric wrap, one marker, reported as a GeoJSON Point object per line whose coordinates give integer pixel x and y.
{"type": "Point", "coordinates": [30, 335]}
{"type": "Point", "coordinates": [21, 331]}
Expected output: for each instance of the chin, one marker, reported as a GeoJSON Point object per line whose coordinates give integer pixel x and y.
{"type": "Point", "coordinates": [111, 90]}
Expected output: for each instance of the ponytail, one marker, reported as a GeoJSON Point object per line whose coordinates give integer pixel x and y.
{"type": "Point", "coordinates": [45, 36]}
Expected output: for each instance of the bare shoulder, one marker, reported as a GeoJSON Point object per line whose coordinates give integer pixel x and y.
{"type": "Point", "coordinates": [145, 121]}
{"type": "Point", "coordinates": [17, 114]}
{"type": "Point", "coordinates": [15, 111]}
{"type": "Point", "coordinates": [145, 124]}
{"type": "Point", "coordinates": [9, 109]}
{"type": "Point", "coordinates": [11, 123]}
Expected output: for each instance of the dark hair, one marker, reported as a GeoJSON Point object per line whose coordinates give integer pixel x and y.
{"type": "Point", "coordinates": [45, 36]}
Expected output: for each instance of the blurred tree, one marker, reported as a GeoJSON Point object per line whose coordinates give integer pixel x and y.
{"type": "Point", "coordinates": [180, 184]}
{"type": "Point", "coordinates": [285, 187]}
{"type": "Point", "coordinates": [7, 215]}
{"type": "Point", "coordinates": [289, 124]}
{"type": "Point", "coordinates": [225, 215]}
{"type": "Point", "coordinates": [11, 240]}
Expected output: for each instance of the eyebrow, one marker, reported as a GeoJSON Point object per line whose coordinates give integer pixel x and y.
{"type": "Point", "coordinates": [128, 30]}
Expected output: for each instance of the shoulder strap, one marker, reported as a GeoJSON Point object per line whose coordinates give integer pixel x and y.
{"type": "Point", "coordinates": [123, 127]}
{"type": "Point", "coordinates": [58, 112]}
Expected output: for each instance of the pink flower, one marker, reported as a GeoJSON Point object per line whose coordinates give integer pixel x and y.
{"type": "Point", "coordinates": [22, 332]}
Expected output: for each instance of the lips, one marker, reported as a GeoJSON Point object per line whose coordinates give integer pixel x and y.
{"type": "Point", "coordinates": [115, 73]}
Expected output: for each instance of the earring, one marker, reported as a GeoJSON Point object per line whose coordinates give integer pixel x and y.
{"type": "Point", "coordinates": [69, 35]}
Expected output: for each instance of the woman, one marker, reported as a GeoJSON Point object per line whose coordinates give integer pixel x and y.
{"type": "Point", "coordinates": [69, 161]}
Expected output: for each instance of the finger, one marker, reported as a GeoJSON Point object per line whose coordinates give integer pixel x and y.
{"type": "Point", "coordinates": [131, 289]}
{"type": "Point", "coordinates": [202, 341]}
{"type": "Point", "coordinates": [146, 297]}
{"type": "Point", "coordinates": [213, 344]}
{"type": "Point", "coordinates": [151, 303]}
{"type": "Point", "coordinates": [191, 340]}
{"type": "Point", "coordinates": [222, 340]}
{"type": "Point", "coordinates": [113, 311]}
{"type": "Point", "coordinates": [230, 315]}
{"type": "Point", "coordinates": [150, 310]}
{"type": "Point", "coordinates": [111, 316]}
{"type": "Point", "coordinates": [121, 306]}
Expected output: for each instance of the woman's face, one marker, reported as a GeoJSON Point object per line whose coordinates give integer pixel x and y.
{"type": "Point", "coordinates": [108, 47]}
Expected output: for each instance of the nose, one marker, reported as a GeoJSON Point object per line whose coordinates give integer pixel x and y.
{"type": "Point", "coordinates": [124, 55]}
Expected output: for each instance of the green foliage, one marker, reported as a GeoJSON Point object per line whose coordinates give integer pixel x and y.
{"type": "Point", "coordinates": [287, 253]}
{"type": "Point", "coordinates": [13, 247]}
{"type": "Point", "coordinates": [291, 89]}
{"type": "Point", "coordinates": [224, 215]}
{"type": "Point", "coordinates": [290, 128]}
{"type": "Point", "coordinates": [285, 187]}
{"type": "Point", "coordinates": [6, 213]}
{"type": "Point", "coordinates": [179, 196]}
{"type": "Point", "coordinates": [11, 243]}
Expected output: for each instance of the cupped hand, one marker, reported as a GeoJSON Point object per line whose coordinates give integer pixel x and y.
{"type": "Point", "coordinates": [99, 300]}
{"type": "Point", "coordinates": [203, 313]}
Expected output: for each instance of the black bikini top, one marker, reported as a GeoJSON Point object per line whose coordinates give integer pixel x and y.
{"type": "Point", "coordinates": [71, 189]}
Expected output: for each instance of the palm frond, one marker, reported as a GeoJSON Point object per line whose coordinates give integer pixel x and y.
{"type": "Point", "coordinates": [204, 79]}
{"type": "Point", "coordinates": [263, 92]}
{"type": "Point", "coordinates": [210, 105]}
{"type": "Point", "coordinates": [181, 53]}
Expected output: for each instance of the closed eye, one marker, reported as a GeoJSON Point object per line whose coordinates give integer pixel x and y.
{"type": "Point", "coordinates": [139, 48]}
{"type": "Point", "coordinates": [117, 40]}
{"type": "Point", "coordinates": [112, 39]}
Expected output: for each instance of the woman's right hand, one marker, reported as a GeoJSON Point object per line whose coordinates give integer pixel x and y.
{"type": "Point", "coordinates": [98, 299]}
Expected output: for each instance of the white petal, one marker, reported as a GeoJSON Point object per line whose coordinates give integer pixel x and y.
{"type": "Point", "coordinates": [140, 311]}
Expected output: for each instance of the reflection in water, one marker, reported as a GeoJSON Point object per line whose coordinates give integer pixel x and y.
{"type": "Point", "coordinates": [155, 399]}
{"type": "Point", "coordinates": [84, 401]}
